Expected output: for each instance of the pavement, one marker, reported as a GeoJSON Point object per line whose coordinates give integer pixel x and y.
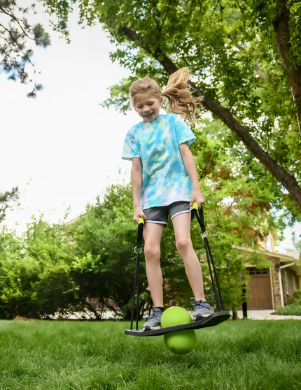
{"type": "Point", "coordinates": [252, 315]}
{"type": "Point", "coordinates": [265, 315]}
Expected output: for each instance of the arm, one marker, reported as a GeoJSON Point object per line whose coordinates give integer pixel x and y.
{"type": "Point", "coordinates": [136, 176]}
{"type": "Point", "coordinates": [190, 167]}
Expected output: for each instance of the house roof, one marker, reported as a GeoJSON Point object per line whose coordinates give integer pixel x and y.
{"type": "Point", "coordinates": [290, 257]}
{"type": "Point", "coordinates": [285, 258]}
{"type": "Point", "coordinates": [295, 254]}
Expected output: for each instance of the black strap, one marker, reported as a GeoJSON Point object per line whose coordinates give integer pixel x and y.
{"type": "Point", "coordinates": [214, 279]}
{"type": "Point", "coordinates": [139, 235]}
{"type": "Point", "coordinates": [200, 218]}
{"type": "Point", "coordinates": [136, 280]}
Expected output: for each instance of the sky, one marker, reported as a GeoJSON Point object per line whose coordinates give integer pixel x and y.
{"type": "Point", "coordinates": [62, 149]}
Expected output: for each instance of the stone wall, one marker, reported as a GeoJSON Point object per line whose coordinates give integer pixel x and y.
{"type": "Point", "coordinates": [275, 282]}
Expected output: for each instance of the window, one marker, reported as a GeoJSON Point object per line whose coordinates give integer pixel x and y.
{"type": "Point", "coordinates": [254, 271]}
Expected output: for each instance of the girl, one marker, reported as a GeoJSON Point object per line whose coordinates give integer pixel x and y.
{"type": "Point", "coordinates": [165, 181]}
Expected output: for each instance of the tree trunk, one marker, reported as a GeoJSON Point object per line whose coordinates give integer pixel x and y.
{"type": "Point", "coordinates": [285, 177]}
{"type": "Point", "coordinates": [235, 315]}
{"type": "Point", "coordinates": [244, 304]}
{"type": "Point", "coordinates": [281, 28]}
{"type": "Point", "coordinates": [97, 316]}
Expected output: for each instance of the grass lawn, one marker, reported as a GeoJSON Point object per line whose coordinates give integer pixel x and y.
{"type": "Point", "coordinates": [238, 355]}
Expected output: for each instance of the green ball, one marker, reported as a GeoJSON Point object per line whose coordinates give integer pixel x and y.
{"type": "Point", "coordinates": [175, 315]}
{"type": "Point", "coordinates": [180, 342]}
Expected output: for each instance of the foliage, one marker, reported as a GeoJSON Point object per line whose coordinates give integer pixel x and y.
{"type": "Point", "coordinates": [93, 257]}
{"type": "Point", "coordinates": [34, 271]}
{"type": "Point", "coordinates": [107, 233]}
{"type": "Point", "coordinates": [293, 308]}
{"type": "Point", "coordinates": [237, 208]}
{"type": "Point", "coordinates": [5, 199]}
{"type": "Point", "coordinates": [297, 295]}
{"type": "Point", "coordinates": [59, 268]}
{"type": "Point", "coordinates": [231, 48]}
{"type": "Point", "coordinates": [16, 34]}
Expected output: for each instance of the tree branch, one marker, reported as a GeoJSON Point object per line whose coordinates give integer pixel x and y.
{"type": "Point", "coordinates": [17, 20]}
{"type": "Point", "coordinates": [281, 28]}
{"type": "Point", "coordinates": [260, 73]}
{"type": "Point", "coordinates": [164, 18]}
{"type": "Point", "coordinates": [285, 177]}
{"type": "Point", "coordinates": [16, 42]}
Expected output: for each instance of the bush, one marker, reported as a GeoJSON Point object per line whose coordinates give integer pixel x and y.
{"type": "Point", "coordinates": [297, 295]}
{"type": "Point", "coordinates": [293, 309]}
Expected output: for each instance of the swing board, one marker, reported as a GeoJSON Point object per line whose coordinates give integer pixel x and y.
{"type": "Point", "coordinates": [212, 320]}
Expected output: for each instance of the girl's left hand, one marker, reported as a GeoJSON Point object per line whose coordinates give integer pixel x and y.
{"type": "Point", "coordinates": [197, 196]}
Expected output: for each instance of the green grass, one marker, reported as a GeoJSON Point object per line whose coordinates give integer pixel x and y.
{"type": "Point", "coordinates": [238, 355]}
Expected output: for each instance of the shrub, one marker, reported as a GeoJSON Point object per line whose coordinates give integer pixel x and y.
{"type": "Point", "coordinates": [294, 307]}
{"type": "Point", "coordinates": [297, 295]}
{"type": "Point", "coordinates": [290, 310]}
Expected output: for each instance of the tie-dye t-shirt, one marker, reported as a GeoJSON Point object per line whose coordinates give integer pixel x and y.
{"type": "Point", "coordinates": [164, 177]}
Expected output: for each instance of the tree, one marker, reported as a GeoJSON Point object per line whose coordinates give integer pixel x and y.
{"type": "Point", "coordinates": [34, 272]}
{"type": "Point", "coordinates": [15, 36]}
{"type": "Point", "coordinates": [59, 268]}
{"type": "Point", "coordinates": [246, 60]}
{"type": "Point", "coordinates": [5, 199]}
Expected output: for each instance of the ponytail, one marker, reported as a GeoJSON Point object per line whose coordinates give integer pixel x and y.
{"type": "Point", "coordinates": [180, 99]}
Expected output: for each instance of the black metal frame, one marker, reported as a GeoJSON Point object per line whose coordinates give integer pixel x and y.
{"type": "Point", "coordinates": [214, 279]}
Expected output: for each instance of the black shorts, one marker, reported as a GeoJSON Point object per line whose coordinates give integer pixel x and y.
{"type": "Point", "coordinates": [160, 214]}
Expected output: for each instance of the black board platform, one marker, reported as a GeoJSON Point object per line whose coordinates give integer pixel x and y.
{"type": "Point", "coordinates": [214, 319]}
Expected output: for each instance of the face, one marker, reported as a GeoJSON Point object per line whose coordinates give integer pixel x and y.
{"type": "Point", "coordinates": [148, 106]}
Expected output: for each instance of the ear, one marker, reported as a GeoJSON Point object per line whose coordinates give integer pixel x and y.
{"type": "Point", "coordinates": [161, 100]}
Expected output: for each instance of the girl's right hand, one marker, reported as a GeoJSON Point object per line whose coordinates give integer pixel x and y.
{"type": "Point", "coordinates": [138, 213]}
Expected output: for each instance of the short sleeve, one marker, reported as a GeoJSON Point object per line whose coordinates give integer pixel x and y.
{"type": "Point", "coordinates": [130, 149]}
{"type": "Point", "coordinates": [183, 132]}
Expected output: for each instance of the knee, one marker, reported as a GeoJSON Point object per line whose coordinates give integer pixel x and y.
{"type": "Point", "coordinates": [152, 253]}
{"type": "Point", "coordinates": [183, 244]}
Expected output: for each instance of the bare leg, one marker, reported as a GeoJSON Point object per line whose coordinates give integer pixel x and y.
{"type": "Point", "coordinates": [152, 233]}
{"type": "Point", "coordinates": [181, 223]}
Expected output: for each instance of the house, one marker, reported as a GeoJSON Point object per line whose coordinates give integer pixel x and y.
{"type": "Point", "coordinates": [273, 287]}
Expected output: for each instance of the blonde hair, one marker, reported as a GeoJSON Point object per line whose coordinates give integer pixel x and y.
{"type": "Point", "coordinates": [179, 96]}
{"type": "Point", "coordinates": [142, 86]}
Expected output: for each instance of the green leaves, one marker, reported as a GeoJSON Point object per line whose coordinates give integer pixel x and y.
{"type": "Point", "coordinates": [16, 35]}
{"type": "Point", "coordinates": [233, 50]}
{"type": "Point", "coordinates": [5, 199]}
{"type": "Point", "coordinates": [59, 268]}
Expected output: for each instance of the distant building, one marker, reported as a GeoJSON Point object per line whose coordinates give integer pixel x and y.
{"type": "Point", "coordinates": [273, 287]}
